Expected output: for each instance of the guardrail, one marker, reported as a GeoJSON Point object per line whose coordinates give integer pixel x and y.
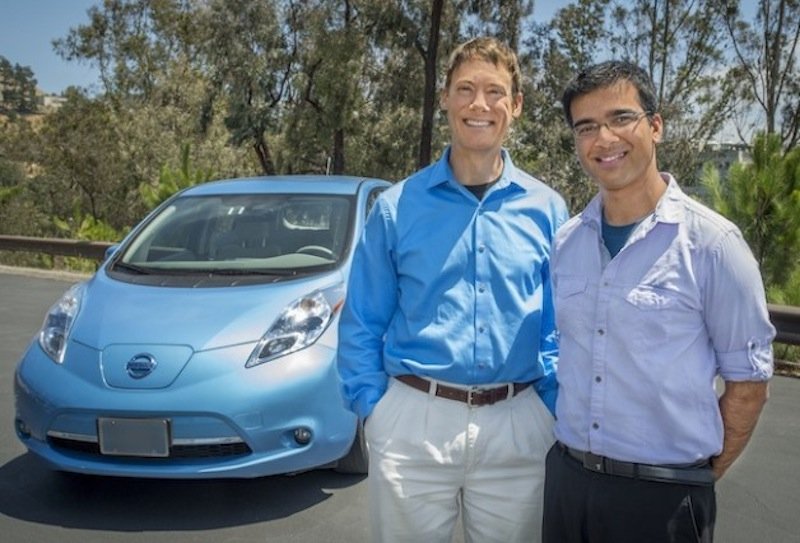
{"type": "Point", "coordinates": [785, 318]}
{"type": "Point", "coordinates": [94, 250]}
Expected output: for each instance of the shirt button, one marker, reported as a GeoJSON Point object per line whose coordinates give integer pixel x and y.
{"type": "Point", "coordinates": [601, 331]}
{"type": "Point", "coordinates": [481, 329]}
{"type": "Point", "coordinates": [595, 425]}
{"type": "Point", "coordinates": [482, 248]}
{"type": "Point", "coordinates": [598, 379]}
{"type": "Point", "coordinates": [481, 290]}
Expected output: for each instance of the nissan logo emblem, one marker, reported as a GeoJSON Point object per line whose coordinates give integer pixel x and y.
{"type": "Point", "coordinates": [141, 365]}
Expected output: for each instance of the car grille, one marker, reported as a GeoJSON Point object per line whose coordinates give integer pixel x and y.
{"type": "Point", "coordinates": [221, 450]}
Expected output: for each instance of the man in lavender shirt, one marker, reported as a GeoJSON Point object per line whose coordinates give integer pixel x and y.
{"type": "Point", "coordinates": [656, 295]}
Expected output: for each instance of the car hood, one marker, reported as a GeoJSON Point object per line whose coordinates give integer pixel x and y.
{"type": "Point", "coordinates": [113, 312]}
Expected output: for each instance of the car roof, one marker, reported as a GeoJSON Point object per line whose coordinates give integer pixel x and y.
{"type": "Point", "coordinates": [293, 184]}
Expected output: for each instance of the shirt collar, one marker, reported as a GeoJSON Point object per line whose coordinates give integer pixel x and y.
{"type": "Point", "coordinates": [442, 173]}
{"type": "Point", "coordinates": [669, 208]}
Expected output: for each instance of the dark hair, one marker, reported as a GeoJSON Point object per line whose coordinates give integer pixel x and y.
{"type": "Point", "coordinates": [488, 49]}
{"type": "Point", "coordinates": [606, 74]}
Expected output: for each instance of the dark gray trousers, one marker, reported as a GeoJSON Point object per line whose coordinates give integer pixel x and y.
{"type": "Point", "coordinates": [581, 506]}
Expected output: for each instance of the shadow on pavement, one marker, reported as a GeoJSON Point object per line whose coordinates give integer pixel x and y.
{"type": "Point", "coordinates": [30, 491]}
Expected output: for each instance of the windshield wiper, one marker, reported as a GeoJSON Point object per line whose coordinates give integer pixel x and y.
{"type": "Point", "coordinates": [250, 271]}
{"type": "Point", "coordinates": [132, 268]}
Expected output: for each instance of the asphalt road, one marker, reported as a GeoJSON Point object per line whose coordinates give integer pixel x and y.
{"type": "Point", "coordinates": [758, 499]}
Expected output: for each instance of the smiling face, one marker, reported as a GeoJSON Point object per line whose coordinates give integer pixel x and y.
{"type": "Point", "coordinates": [623, 158]}
{"type": "Point", "coordinates": [480, 106]}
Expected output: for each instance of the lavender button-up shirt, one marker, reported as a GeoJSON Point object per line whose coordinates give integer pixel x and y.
{"type": "Point", "coordinates": [644, 334]}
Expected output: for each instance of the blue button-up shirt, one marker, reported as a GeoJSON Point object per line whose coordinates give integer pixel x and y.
{"type": "Point", "coordinates": [451, 288]}
{"type": "Point", "coordinates": [643, 335]}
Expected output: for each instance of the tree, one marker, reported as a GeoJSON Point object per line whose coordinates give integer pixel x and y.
{"type": "Point", "coordinates": [251, 60]}
{"type": "Point", "coordinates": [766, 55]}
{"type": "Point", "coordinates": [431, 54]}
{"type": "Point", "coordinates": [408, 36]}
{"type": "Point", "coordinates": [171, 180]}
{"type": "Point", "coordinates": [83, 170]}
{"type": "Point", "coordinates": [763, 199]}
{"type": "Point", "coordinates": [133, 43]}
{"type": "Point", "coordinates": [679, 43]}
{"type": "Point", "coordinates": [17, 88]}
{"type": "Point", "coordinates": [320, 116]}
{"type": "Point", "coordinates": [553, 54]}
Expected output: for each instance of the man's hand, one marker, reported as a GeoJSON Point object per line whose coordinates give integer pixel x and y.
{"type": "Point", "coordinates": [740, 405]}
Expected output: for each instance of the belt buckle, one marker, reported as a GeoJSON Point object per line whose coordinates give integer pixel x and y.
{"type": "Point", "coordinates": [470, 396]}
{"type": "Point", "coordinates": [593, 462]}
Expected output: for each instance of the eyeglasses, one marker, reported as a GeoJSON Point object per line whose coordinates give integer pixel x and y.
{"type": "Point", "coordinates": [617, 124]}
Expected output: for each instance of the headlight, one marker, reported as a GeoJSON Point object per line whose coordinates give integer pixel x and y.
{"type": "Point", "coordinates": [58, 323]}
{"type": "Point", "coordinates": [299, 325]}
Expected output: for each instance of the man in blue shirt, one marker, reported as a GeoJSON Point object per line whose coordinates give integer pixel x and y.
{"type": "Point", "coordinates": [447, 344]}
{"type": "Point", "coordinates": [656, 295]}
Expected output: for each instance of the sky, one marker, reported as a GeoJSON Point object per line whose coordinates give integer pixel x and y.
{"type": "Point", "coordinates": [28, 29]}
{"type": "Point", "coordinates": [30, 26]}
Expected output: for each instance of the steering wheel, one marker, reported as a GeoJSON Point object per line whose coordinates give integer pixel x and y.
{"type": "Point", "coordinates": [317, 250]}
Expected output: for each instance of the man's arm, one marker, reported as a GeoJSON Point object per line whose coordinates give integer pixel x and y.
{"type": "Point", "coordinates": [740, 406]}
{"type": "Point", "coordinates": [548, 336]}
{"type": "Point", "coordinates": [371, 302]}
{"type": "Point", "coordinates": [737, 320]}
{"type": "Point", "coordinates": [547, 387]}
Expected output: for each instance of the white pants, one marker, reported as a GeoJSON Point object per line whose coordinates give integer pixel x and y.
{"type": "Point", "coordinates": [431, 458]}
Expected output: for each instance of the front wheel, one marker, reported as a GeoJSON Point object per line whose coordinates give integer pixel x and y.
{"type": "Point", "coordinates": [356, 461]}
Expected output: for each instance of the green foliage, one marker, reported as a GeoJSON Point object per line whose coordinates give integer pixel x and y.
{"type": "Point", "coordinates": [763, 199]}
{"type": "Point", "coordinates": [789, 292]}
{"type": "Point", "coordinates": [171, 180]}
{"type": "Point", "coordinates": [8, 193]}
{"type": "Point", "coordinates": [17, 88]}
{"type": "Point", "coordinates": [84, 228]}
{"type": "Point", "coordinates": [11, 177]}
{"type": "Point", "coordinates": [87, 228]}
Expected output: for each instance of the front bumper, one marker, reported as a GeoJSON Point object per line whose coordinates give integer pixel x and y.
{"type": "Point", "coordinates": [225, 420]}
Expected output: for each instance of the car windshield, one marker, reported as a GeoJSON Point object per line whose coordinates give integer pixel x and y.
{"type": "Point", "coordinates": [250, 234]}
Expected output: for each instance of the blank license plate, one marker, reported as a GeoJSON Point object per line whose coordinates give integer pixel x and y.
{"type": "Point", "coordinates": [134, 437]}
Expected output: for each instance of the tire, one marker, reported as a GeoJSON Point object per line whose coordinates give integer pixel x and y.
{"type": "Point", "coordinates": [356, 461]}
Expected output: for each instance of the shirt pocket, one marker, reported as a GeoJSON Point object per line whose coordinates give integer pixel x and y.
{"type": "Point", "coordinates": [572, 305]}
{"type": "Point", "coordinates": [656, 316]}
{"type": "Point", "coordinates": [647, 298]}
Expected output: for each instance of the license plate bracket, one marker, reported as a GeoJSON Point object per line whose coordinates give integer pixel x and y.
{"type": "Point", "coordinates": [149, 438]}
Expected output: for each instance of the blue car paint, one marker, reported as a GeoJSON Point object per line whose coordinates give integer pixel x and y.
{"type": "Point", "coordinates": [202, 338]}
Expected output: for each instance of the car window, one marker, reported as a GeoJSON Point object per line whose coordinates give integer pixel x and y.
{"type": "Point", "coordinates": [373, 196]}
{"type": "Point", "coordinates": [260, 233]}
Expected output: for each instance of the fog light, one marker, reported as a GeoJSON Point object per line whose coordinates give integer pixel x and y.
{"type": "Point", "coordinates": [22, 429]}
{"type": "Point", "coordinates": [302, 436]}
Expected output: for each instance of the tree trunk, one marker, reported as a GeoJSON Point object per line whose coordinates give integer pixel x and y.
{"type": "Point", "coordinates": [338, 152]}
{"type": "Point", "coordinates": [429, 102]}
{"type": "Point", "coordinates": [264, 157]}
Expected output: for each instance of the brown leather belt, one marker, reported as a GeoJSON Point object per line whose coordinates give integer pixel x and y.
{"type": "Point", "coordinates": [472, 396]}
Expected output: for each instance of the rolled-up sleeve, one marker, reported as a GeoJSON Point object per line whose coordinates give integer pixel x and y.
{"type": "Point", "coordinates": [736, 312]}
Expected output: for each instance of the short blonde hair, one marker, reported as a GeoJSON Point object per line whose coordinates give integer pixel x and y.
{"type": "Point", "coordinates": [491, 50]}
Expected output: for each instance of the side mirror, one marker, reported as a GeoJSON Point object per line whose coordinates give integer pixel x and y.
{"type": "Point", "coordinates": [110, 251]}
